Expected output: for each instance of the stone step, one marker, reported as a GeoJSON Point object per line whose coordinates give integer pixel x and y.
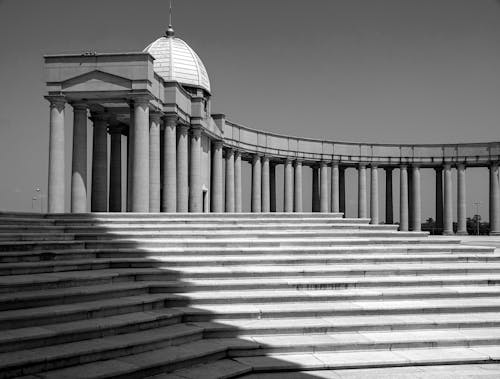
{"type": "Point", "coordinates": [63, 355]}
{"type": "Point", "coordinates": [221, 369]}
{"type": "Point", "coordinates": [232, 328]}
{"type": "Point", "coordinates": [23, 268]}
{"type": "Point", "coordinates": [21, 318]}
{"type": "Point", "coordinates": [54, 334]}
{"type": "Point", "coordinates": [207, 312]}
{"type": "Point", "coordinates": [190, 216]}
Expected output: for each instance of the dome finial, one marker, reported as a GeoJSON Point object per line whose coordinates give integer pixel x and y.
{"type": "Point", "coordinates": [170, 31]}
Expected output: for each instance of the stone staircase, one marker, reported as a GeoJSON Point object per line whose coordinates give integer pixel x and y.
{"type": "Point", "coordinates": [227, 295]}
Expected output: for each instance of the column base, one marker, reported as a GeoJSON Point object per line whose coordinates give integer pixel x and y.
{"type": "Point", "coordinates": [494, 234]}
{"type": "Point", "coordinates": [447, 233]}
{"type": "Point", "coordinates": [462, 234]}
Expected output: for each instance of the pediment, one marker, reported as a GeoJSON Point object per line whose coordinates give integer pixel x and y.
{"type": "Point", "coordinates": [96, 81]}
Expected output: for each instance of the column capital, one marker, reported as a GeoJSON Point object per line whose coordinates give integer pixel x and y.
{"type": "Point", "coordinates": [142, 99]}
{"type": "Point", "coordinates": [256, 157]}
{"type": "Point", "coordinates": [298, 162]}
{"type": "Point", "coordinates": [438, 168]}
{"type": "Point", "coordinates": [183, 129]}
{"type": "Point", "coordinates": [116, 128]}
{"type": "Point", "coordinates": [374, 165]}
{"type": "Point", "coordinates": [266, 158]}
{"type": "Point", "coordinates": [99, 116]}
{"type": "Point", "coordinates": [494, 164]}
{"type": "Point", "coordinates": [447, 166]}
{"type": "Point", "coordinates": [388, 169]}
{"type": "Point", "coordinates": [155, 116]}
{"type": "Point", "coordinates": [403, 166]}
{"type": "Point", "coordinates": [362, 165]}
{"type": "Point", "coordinates": [217, 143]}
{"type": "Point", "coordinates": [58, 102]}
{"type": "Point", "coordinates": [170, 119]}
{"type": "Point", "coordinates": [461, 166]}
{"type": "Point", "coordinates": [230, 151]}
{"type": "Point", "coordinates": [80, 106]}
{"type": "Point", "coordinates": [323, 164]}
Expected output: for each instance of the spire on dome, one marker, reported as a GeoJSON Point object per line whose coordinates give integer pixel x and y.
{"type": "Point", "coordinates": [170, 31]}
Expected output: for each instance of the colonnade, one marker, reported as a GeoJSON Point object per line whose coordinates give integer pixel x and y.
{"type": "Point", "coordinates": [164, 174]}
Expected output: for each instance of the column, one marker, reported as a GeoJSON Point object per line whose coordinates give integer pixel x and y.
{"type": "Point", "coordinates": [389, 207]}
{"type": "Point", "coordinates": [195, 191]}
{"type": "Point", "coordinates": [288, 195]}
{"type": "Point", "coordinates": [154, 162]}
{"type": "Point", "coordinates": [115, 169]}
{"type": "Point", "coordinates": [229, 180]}
{"type": "Point", "coordinates": [410, 199]}
{"type": "Point", "coordinates": [461, 201]}
{"type": "Point", "coordinates": [374, 195]}
{"type": "Point", "coordinates": [79, 165]}
{"type": "Point", "coordinates": [237, 182]}
{"type": "Point", "coordinates": [169, 187]}
{"type": "Point", "coordinates": [362, 208]}
{"type": "Point", "coordinates": [266, 204]}
{"type": "Point", "coordinates": [335, 188]}
{"type": "Point", "coordinates": [217, 205]}
{"type": "Point", "coordinates": [99, 194]}
{"type": "Point", "coordinates": [447, 208]}
{"type": "Point", "coordinates": [342, 190]}
{"type": "Point", "coordinates": [130, 156]}
{"type": "Point", "coordinates": [315, 190]}
{"type": "Point", "coordinates": [272, 186]}
{"type": "Point", "coordinates": [494, 200]}
{"type": "Point", "coordinates": [323, 192]}
{"type": "Point", "coordinates": [140, 166]}
{"type": "Point", "coordinates": [256, 184]}
{"type": "Point", "coordinates": [56, 180]}
{"type": "Point", "coordinates": [439, 199]}
{"type": "Point", "coordinates": [298, 186]}
{"type": "Point", "coordinates": [403, 198]}
{"type": "Point", "coordinates": [416, 200]}
{"type": "Point", "coordinates": [182, 169]}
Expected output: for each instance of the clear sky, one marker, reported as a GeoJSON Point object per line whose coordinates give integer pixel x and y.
{"type": "Point", "coordinates": [413, 71]}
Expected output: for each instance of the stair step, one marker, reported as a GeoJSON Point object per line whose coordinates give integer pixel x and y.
{"type": "Point", "coordinates": [68, 354]}
{"type": "Point", "coordinates": [53, 334]}
{"type": "Point", "coordinates": [221, 369]}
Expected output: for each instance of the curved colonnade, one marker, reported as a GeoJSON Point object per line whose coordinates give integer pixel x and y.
{"type": "Point", "coordinates": [176, 149]}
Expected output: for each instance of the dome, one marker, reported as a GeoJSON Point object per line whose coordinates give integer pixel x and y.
{"type": "Point", "coordinates": [176, 61]}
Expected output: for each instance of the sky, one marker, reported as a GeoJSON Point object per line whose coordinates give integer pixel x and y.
{"type": "Point", "coordinates": [409, 71]}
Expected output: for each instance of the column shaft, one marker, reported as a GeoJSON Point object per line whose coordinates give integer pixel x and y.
{"type": "Point", "coordinates": [237, 182]}
{"type": "Point", "coordinates": [154, 162]}
{"type": "Point", "coordinates": [217, 196]}
{"type": "Point", "coordinates": [403, 199]}
{"type": "Point", "coordinates": [272, 186]}
{"type": "Point", "coordinates": [323, 192]}
{"type": "Point", "coordinates": [195, 190]}
{"type": "Point", "coordinates": [266, 200]}
{"type": "Point", "coordinates": [79, 165]}
{"type": "Point", "coordinates": [256, 184]}
{"type": "Point", "coordinates": [140, 166]}
{"type": "Point", "coordinates": [56, 180]}
{"type": "Point", "coordinates": [410, 199]}
{"type": "Point", "coordinates": [342, 190]}
{"type": "Point", "coordinates": [335, 188]}
{"type": "Point", "coordinates": [447, 209]}
{"type": "Point", "coordinates": [115, 170]}
{"type": "Point", "coordinates": [494, 199]}
{"type": "Point", "coordinates": [374, 195]}
{"type": "Point", "coordinates": [417, 203]}
{"type": "Point", "coordinates": [182, 169]}
{"type": "Point", "coordinates": [229, 180]}
{"type": "Point", "coordinates": [362, 206]}
{"type": "Point", "coordinates": [461, 201]}
{"type": "Point", "coordinates": [439, 199]}
{"type": "Point", "coordinates": [315, 189]}
{"type": "Point", "coordinates": [130, 157]}
{"type": "Point", "coordinates": [288, 186]}
{"type": "Point", "coordinates": [169, 188]}
{"type": "Point", "coordinates": [298, 186]}
{"type": "Point", "coordinates": [389, 207]}
{"type": "Point", "coordinates": [99, 195]}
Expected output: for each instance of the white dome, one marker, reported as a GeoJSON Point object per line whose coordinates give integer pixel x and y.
{"type": "Point", "coordinates": [176, 61]}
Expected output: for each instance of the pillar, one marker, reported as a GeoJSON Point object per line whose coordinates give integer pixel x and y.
{"type": "Point", "coordinates": [323, 192]}
{"type": "Point", "coordinates": [79, 164]}
{"type": "Point", "coordinates": [229, 181]}
{"type": "Point", "coordinates": [389, 207]}
{"type": "Point", "coordinates": [374, 195]}
{"type": "Point", "coordinates": [99, 193]}
{"type": "Point", "coordinates": [115, 169]}
{"type": "Point", "coordinates": [195, 190]}
{"type": "Point", "coordinates": [461, 201]}
{"type": "Point", "coordinates": [56, 179]}
{"type": "Point", "coordinates": [272, 186]}
{"type": "Point", "coordinates": [154, 162]}
{"type": "Point", "coordinates": [130, 156]}
{"type": "Point", "coordinates": [447, 208]}
{"type": "Point", "coordinates": [266, 204]}
{"type": "Point", "coordinates": [288, 187]}
{"type": "Point", "coordinates": [256, 184]}
{"type": "Point", "coordinates": [494, 200]}
{"type": "Point", "coordinates": [217, 196]}
{"type": "Point", "coordinates": [410, 199]}
{"type": "Point", "coordinates": [315, 190]}
{"type": "Point", "coordinates": [342, 190]}
{"type": "Point", "coordinates": [335, 208]}
{"type": "Point", "coordinates": [416, 200]}
{"type": "Point", "coordinates": [403, 198]}
{"type": "Point", "coordinates": [298, 186]}
{"type": "Point", "coordinates": [237, 182]}
{"type": "Point", "coordinates": [182, 169]}
{"type": "Point", "coordinates": [439, 199]}
{"type": "Point", "coordinates": [169, 188]}
{"type": "Point", "coordinates": [140, 166]}
{"type": "Point", "coordinates": [362, 206]}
